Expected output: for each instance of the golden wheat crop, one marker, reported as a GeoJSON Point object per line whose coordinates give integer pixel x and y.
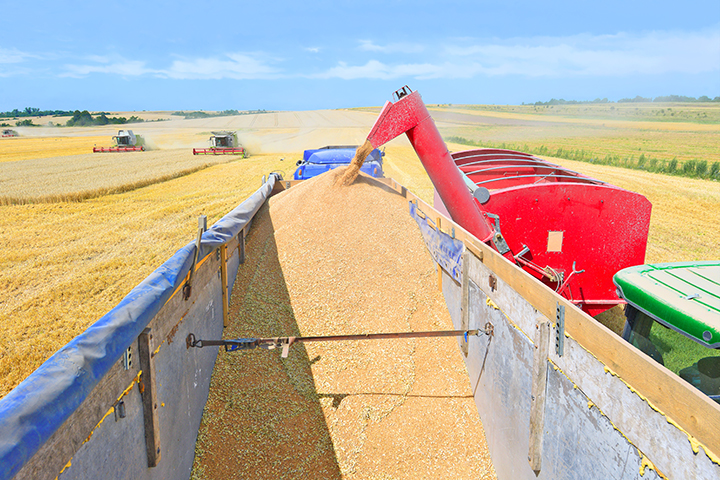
{"type": "Point", "coordinates": [22, 148]}
{"type": "Point", "coordinates": [78, 177]}
{"type": "Point", "coordinates": [64, 265]}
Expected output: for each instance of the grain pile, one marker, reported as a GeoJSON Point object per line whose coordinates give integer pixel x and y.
{"type": "Point", "coordinates": [324, 260]}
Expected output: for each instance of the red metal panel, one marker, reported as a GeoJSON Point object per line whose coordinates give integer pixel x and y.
{"type": "Point", "coordinates": [218, 151]}
{"type": "Point", "coordinates": [470, 156]}
{"type": "Point", "coordinates": [118, 149]}
{"type": "Point", "coordinates": [604, 229]}
{"type": "Point", "coordinates": [570, 231]}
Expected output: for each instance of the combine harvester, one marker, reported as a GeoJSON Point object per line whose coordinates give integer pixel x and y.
{"type": "Point", "coordinates": [560, 396]}
{"type": "Point", "coordinates": [222, 143]}
{"type": "Point", "coordinates": [7, 132]}
{"type": "Point", "coordinates": [125, 141]}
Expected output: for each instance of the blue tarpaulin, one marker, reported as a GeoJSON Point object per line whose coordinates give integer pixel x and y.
{"type": "Point", "coordinates": [446, 250]}
{"type": "Point", "coordinates": [38, 406]}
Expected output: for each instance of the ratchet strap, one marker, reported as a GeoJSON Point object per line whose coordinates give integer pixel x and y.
{"type": "Point", "coordinates": [286, 342]}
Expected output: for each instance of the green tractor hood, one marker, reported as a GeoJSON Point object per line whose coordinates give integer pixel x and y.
{"type": "Point", "coordinates": [682, 296]}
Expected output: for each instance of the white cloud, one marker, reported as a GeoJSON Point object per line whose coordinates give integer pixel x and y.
{"type": "Point", "coordinates": [621, 54]}
{"type": "Point", "coordinates": [601, 55]}
{"type": "Point", "coordinates": [13, 55]}
{"type": "Point", "coordinates": [381, 71]}
{"type": "Point", "coordinates": [126, 68]}
{"type": "Point", "coordinates": [235, 65]}
{"type": "Point", "coordinates": [231, 65]}
{"type": "Point", "coordinates": [616, 55]}
{"type": "Point", "coordinates": [369, 46]}
{"type": "Point", "coordinates": [98, 58]}
{"type": "Point", "coordinates": [10, 60]}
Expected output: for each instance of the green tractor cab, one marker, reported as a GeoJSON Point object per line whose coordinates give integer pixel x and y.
{"type": "Point", "coordinates": [673, 315]}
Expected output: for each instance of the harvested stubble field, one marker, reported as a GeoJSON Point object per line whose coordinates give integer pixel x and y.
{"type": "Point", "coordinates": [327, 260]}
{"type": "Point", "coordinates": [595, 129]}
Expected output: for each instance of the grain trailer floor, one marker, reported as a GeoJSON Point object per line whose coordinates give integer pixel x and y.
{"type": "Point", "coordinates": [323, 260]}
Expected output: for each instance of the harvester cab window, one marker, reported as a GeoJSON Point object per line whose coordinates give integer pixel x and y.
{"type": "Point", "coordinates": [222, 141]}
{"type": "Point", "coordinates": [693, 362]}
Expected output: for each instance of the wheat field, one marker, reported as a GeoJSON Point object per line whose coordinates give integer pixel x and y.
{"type": "Point", "coordinates": [66, 263]}
{"type": "Point", "coordinates": [35, 148]}
{"type": "Point", "coordinates": [90, 175]}
{"type": "Point", "coordinates": [599, 131]}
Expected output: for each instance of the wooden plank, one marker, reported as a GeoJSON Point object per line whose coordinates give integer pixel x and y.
{"type": "Point", "coordinates": [165, 324]}
{"type": "Point", "coordinates": [224, 283]}
{"type": "Point", "coordinates": [537, 404]}
{"type": "Point", "coordinates": [55, 454]}
{"type": "Point", "coordinates": [281, 185]}
{"type": "Point", "coordinates": [149, 398]}
{"type": "Point", "coordinates": [232, 244]}
{"type": "Point", "coordinates": [464, 302]}
{"type": "Point", "coordinates": [241, 246]}
{"type": "Point", "coordinates": [694, 412]}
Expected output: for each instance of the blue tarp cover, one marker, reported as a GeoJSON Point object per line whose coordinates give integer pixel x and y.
{"type": "Point", "coordinates": [446, 250]}
{"type": "Point", "coordinates": [36, 408]}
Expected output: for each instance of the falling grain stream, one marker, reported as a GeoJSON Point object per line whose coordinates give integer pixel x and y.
{"type": "Point", "coordinates": [351, 173]}
{"type": "Point", "coordinates": [334, 256]}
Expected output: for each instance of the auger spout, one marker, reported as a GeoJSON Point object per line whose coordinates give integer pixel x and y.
{"type": "Point", "coordinates": [410, 116]}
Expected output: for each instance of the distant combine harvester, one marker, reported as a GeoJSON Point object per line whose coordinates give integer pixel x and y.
{"type": "Point", "coordinates": [222, 143]}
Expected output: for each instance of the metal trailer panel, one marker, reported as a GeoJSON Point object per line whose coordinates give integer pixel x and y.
{"type": "Point", "coordinates": [595, 425]}
{"type": "Point", "coordinates": [117, 448]}
{"type": "Point", "coordinates": [578, 438]}
{"type": "Point", "coordinates": [499, 368]}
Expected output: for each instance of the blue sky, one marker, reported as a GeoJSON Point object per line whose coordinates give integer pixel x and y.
{"type": "Point", "coordinates": [279, 55]}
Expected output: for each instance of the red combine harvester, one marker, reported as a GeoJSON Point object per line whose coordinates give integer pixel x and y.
{"type": "Point", "coordinates": [125, 141]}
{"type": "Point", "coordinates": [569, 231]}
{"type": "Point", "coordinates": [222, 143]}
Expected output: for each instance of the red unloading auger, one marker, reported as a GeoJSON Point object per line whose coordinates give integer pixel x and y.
{"type": "Point", "coordinates": [408, 115]}
{"type": "Point", "coordinates": [569, 231]}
